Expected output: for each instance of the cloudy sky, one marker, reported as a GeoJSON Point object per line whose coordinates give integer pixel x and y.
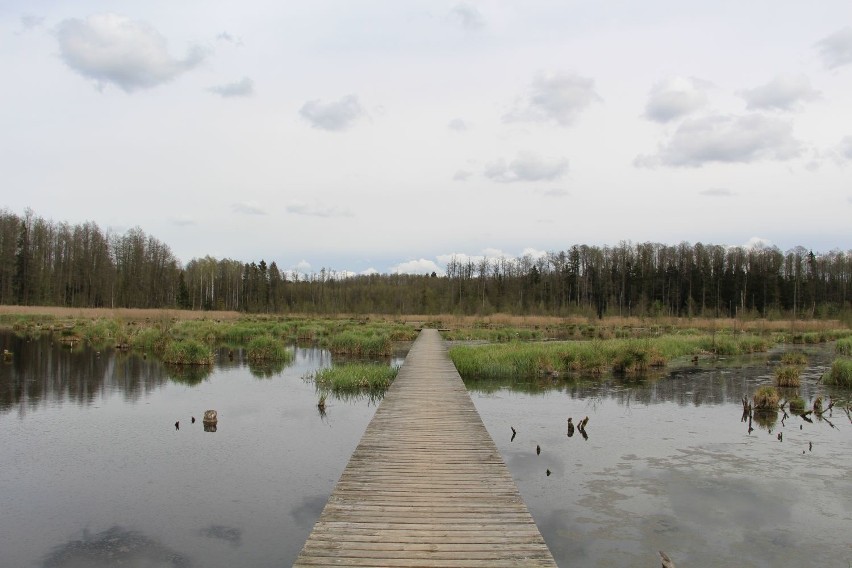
{"type": "Point", "coordinates": [378, 135]}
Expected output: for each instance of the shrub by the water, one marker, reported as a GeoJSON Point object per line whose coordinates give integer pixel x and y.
{"type": "Point", "coordinates": [187, 352]}
{"type": "Point", "coordinates": [267, 348]}
{"type": "Point", "coordinates": [844, 346]}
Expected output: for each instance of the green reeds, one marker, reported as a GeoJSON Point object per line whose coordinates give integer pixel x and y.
{"type": "Point", "coordinates": [787, 375]}
{"type": "Point", "coordinates": [797, 405]}
{"type": "Point", "coordinates": [267, 348]}
{"type": "Point", "coordinates": [630, 356]}
{"type": "Point", "coordinates": [840, 373]}
{"type": "Point", "coordinates": [844, 346]}
{"type": "Point", "coordinates": [187, 352]}
{"type": "Point", "coordinates": [355, 377]}
{"type": "Point", "coordinates": [363, 344]}
{"type": "Point", "coordinates": [794, 358]}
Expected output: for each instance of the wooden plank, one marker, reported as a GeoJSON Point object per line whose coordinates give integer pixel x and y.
{"type": "Point", "coordinates": [426, 485]}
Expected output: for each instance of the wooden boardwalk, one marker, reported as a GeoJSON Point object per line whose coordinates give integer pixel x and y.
{"type": "Point", "coordinates": [426, 485]}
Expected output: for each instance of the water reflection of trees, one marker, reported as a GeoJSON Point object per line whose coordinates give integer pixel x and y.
{"type": "Point", "coordinates": [44, 372]}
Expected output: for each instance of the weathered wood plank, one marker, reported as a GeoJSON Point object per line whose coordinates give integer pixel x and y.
{"type": "Point", "coordinates": [426, 485]}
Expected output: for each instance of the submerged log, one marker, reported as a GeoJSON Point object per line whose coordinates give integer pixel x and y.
{"type": "Point", "coordinates": [210, 417]}
{"type": "Point", "coordinates": [667, 562]}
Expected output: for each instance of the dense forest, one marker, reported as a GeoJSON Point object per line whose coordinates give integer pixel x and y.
{"type": "Point", "coordinates": [48, 263]}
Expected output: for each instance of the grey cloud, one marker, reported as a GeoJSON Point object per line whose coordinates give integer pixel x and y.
{"type": "Point", "coordinates": [717, 192]}
{"type": "Point", "coordinates": [468, 16]}
{"type": "Point", "coordinates": [31, 22]}
{"type": "Point", "coordinates": [675, 97]}
{"type": "Point", "coordinates": [726, 139]}
{"type": "Point", "coordinates": [462, 175]}
{"type": "Point", "coordinates": [844, 150]}
{"type": "Point", "coordinates": [317, 210]}
{"type": "Point", "coordinates": [556, 97]}
{"type": "Point", "coordinates": [784, 92]}
{"type": "Point", "coordinates": [836, 49]}
{"type": "Point", "coordinates": [228, 38]}
{"type": "Point", "coordinates": [248, 208]}
{"type": "Point", "coordinates": [114, 49]}
{"type": "Point", "coordinates": [526, 167]}
{"type": "Point", "coordinates": [182, 220]}
{"type": "Point", "coordinates": [241, 88]}
{"type": "Point", "coordinates": [333, 116]}
{"type": "Point", "coordinates": [457, 124]}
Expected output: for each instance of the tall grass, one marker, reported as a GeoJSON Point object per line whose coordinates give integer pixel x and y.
{"type": "Point", "coordinates": [187, 352]}
{"type": "Point", "coordinates": [361, 343]}
{"type": "Point", "coordinates": [355, 377]}
{"type": "Point", "coordinates": [267, 348]}
{"type": "Point", "coordinates": [630, 356]}
{"type": "Point", "coordinates": [766, 398]}
{"type": "Point", "coordinates": [844, 346]}
{"type": "Point", "coordinates": [787, 375]}
{"type": "Point", "coordinates": [840, 373]}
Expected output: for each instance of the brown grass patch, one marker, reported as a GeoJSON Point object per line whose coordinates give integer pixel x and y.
{"type": "Point", "coordinates": [117, 313]}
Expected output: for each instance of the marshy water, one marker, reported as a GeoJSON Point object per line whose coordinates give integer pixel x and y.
{"type": "Point", "coordinates": [94, 473]}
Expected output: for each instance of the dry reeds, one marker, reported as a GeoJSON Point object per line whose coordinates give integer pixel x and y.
{"type": "Point", "coordinates": [766, 398]}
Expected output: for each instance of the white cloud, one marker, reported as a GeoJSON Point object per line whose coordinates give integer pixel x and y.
{"type": "Point", "coordinates": [369, 271]}
{"type": "Point", "coordinates": [726, 139]}
{"type": "Point", "coordinates": [675, 98]}
{"type": "Point", "coordinates": [534, 253]}
{"type": "Point", "coordinates": [242, 88]}
{"type": "Point", "coordinates": [468, 16]}
{"type": "Point", "coordinates": [333, 116]}
{"type": "Point", "coordinates": [248, 208]}
{"type": "Point", "coordinates": [717, 192]}
{"type": "Point", "coordinates": [461, 175]}
{"type": "Point", "coordinates": [316, 210]}
{"type": "Point", "coordinates": [526, 167]}
{"type": "Point", "coordinates": [784, 92]}
{"type": "Point", "coordinates": [757, 243]}
{"type": "Point", "coordinates": [458, 125]}
{"type": "Point", "coordinates": [132, 55]}
{"type": "Point", "coordinates": [836, 49]}
{"type": "Point", "coordinates": [420, 266]}
{"type": "Point", "coordinates": [554, 192]}
{"type": "Point", "coordinates": [555, 97]}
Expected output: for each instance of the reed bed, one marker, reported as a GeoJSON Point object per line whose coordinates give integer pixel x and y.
{"type": "Point", "coordinates": [840, 373]}
{"type": "Point", "coordinates": [787, 375]}
{"type": "Point", "coordinates": [267, 348]}
{"type": "Point", "coordinates": [766, 398]}
{"type": "Point", "coordinates": [630, 356]}
{"type": "Point", "coordinates": [187, 352]}
{"type": "Point", "coordinates": [794, 358]}
{"type": "Point", "coordinates": [355, 378]}
{"type": "Point", "coordinates": [844, 346]}
{"type": "Point", "coordinates": [362, 344]}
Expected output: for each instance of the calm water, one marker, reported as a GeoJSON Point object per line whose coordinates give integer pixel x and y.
{"type": "Point", "coordinates": [94, 473]}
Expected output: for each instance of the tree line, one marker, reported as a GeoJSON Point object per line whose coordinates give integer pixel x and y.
{"type": "Point", "coordinates": [48, 263]}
